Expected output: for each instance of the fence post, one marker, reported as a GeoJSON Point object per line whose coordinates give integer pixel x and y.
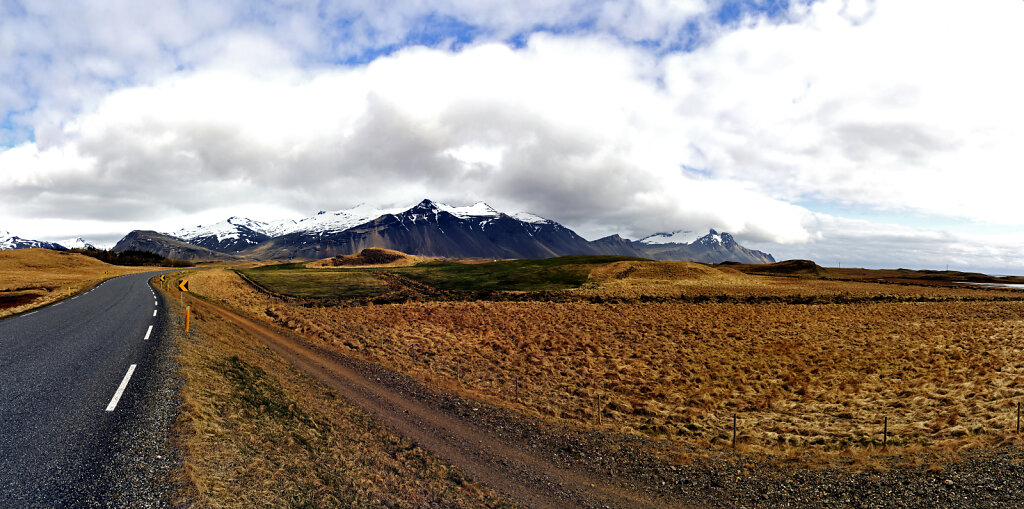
{"type": "Point", "coordinates": [885, 432]}
{"type": "Point", "coordinates": [734, 431]}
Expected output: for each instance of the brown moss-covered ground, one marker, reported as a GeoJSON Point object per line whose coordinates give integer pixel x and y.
{"type": "Point", "coordinates": [822, 377]}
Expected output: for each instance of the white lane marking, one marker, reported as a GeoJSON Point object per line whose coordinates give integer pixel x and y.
{"type": "Point", "coordinates": [148, 332]}
{"type": "Point", "coordinates": [26, 314]}
{"type": "Point", "coordinates": [120, 389]}
{"type": "Point", "coordinates": [154, 312]}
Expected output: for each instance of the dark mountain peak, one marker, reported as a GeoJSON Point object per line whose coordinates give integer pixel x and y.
{"type": "Point", "coordinates": [424, 207]}
{"type": "Point", "coordinates": [166, 246]}
{"type": "Point", "coordinates": [715, 238]}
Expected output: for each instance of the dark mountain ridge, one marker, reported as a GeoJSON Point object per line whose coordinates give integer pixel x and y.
{"type": "Point", "coordinates": [167, 246]}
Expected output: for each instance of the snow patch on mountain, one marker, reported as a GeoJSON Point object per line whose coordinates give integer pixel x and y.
{"type": "Point", "coordinates": [676, 237]}
{"type": "Point", "coordinates": [329, 221]}
{"type": "Point", "coordinates": [224, 230]}
{"type": "Point", "coordinates": [714, 239]}
{"type": "Point", "coordinates": [76, 243]}
{"type": "Point", "coordinates": [527, 217]}
{"type": "Point", "coordinates": [7, 241]}
{"type": "Point", "coordinates": [478, 209]}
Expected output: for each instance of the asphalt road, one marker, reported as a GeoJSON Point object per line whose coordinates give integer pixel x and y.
{"type": "Point", "coordinates": [60, 370]}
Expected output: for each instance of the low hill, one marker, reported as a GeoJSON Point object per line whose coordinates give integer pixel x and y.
{"type": "Point", "coordinates": [662, 271]}
{"type": "Point", "coordinates": [34, 277]}
{"type": "Point", "coordinates": [36, 260]}
{"type": "Point", "coordinates": [369, 257]}
{"type": "Point", "coordinates": [802, 268]}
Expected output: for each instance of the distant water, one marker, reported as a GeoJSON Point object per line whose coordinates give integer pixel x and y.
{"type": "Point", "coordinates": [1017, 286]}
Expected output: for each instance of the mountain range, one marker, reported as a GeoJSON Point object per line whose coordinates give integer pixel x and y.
{"type": "Point", "coordinates": [9, 241]}
{"type": "Point", "coordinates": [427, 229]}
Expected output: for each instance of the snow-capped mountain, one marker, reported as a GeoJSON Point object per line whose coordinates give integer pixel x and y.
{"type": "Point", "coordinates": [229, 236]}
{"type": "Point", "coordinates": [714, 247]}
{"type": "Point", "coordinates": [428, 228]}
{"type": "Point", "coordinates": [76, 243]}
{"type": "Point", "coordinates": [435, 229]}
{"type": "Point", "coordinates": [325, 222]}
{"type": "Point", "coordinates": [9, 241]}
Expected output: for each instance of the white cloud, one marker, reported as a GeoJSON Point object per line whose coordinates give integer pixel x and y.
{"type": "Point", "coordinates": [880, 105]}
{"type": "Point", "coordinates": [859, 243]}
{"type": "Point", "coordinates": [57, 59]}
{"type": "Point", "coordinates": [835, 104]}
{"type": "Point", "coordinates": [584, 135]}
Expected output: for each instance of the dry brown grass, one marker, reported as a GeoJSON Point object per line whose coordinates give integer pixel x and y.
{"type": "Point", "coordinates": [800, 377]}
{"type": "Point", "coordinates": [635, 279]}
{"type": "Point", "coordinates": [257, 433]}
{"type": "Point", "coordinates": [30, 278]}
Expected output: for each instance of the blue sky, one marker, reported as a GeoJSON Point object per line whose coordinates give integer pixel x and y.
{"type": "Point", "coordinates": [808, 129]}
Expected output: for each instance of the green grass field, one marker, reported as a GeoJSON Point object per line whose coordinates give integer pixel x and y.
{"type": "Point", "coordinates": [561, 273]}
{"type": "Point", "coordinates": [295, 280]}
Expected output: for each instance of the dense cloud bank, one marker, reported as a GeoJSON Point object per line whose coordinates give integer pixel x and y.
{"type": "Point", "coordinates": [613, 117]}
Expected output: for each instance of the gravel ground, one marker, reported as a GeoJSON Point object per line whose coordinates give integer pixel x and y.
{"type": "Point", "coordinates": [143, 458]}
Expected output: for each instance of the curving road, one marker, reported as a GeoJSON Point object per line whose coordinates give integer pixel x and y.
{"type": "Point", "coordinates": [65, 391]}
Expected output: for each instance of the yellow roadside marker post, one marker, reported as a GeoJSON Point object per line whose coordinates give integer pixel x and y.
{"type": "Point", "coordinates": [183, 286]}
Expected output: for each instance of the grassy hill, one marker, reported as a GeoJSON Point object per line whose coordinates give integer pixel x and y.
{"type": "Point", "coordinates": [300, 280]}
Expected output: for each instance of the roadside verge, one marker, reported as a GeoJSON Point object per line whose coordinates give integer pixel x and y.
{"type": "Point", "coordinates": [256, 432]}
